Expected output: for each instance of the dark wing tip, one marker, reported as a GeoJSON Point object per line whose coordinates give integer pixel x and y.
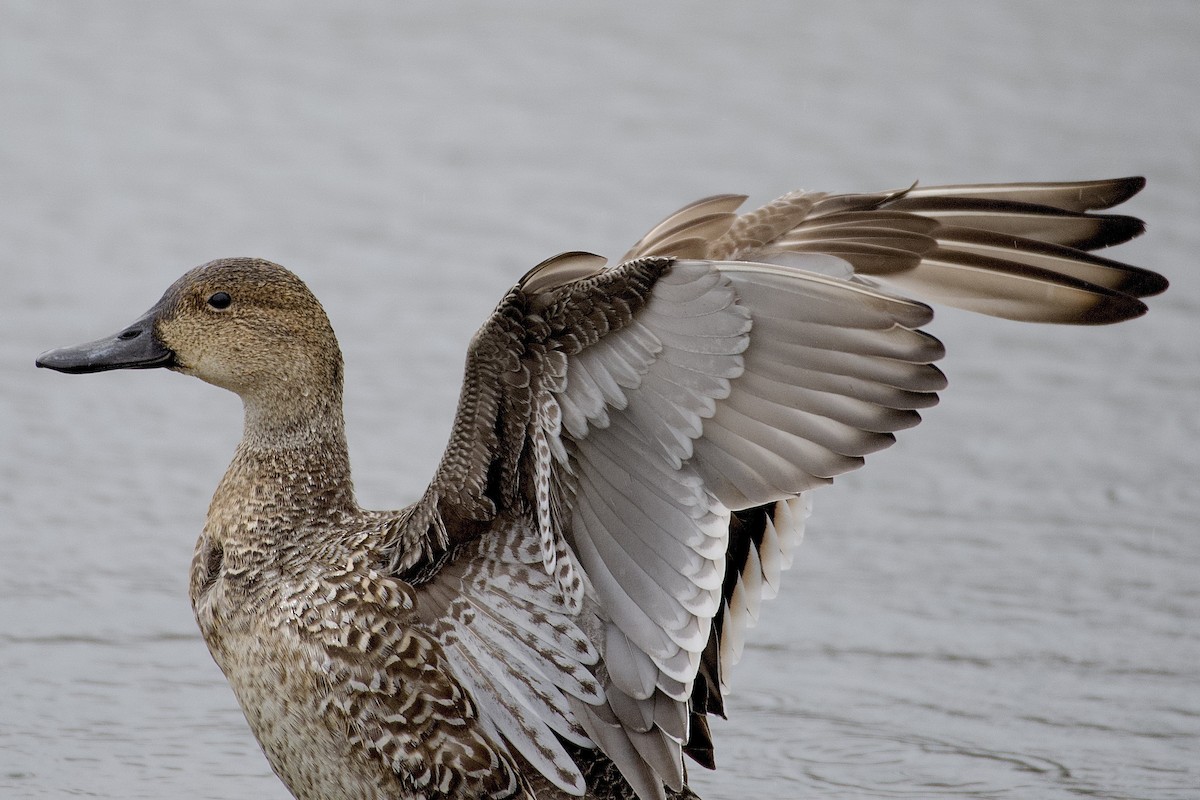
{"type": "Point", "coordinates": [1116, 191]}
{"type": "Point", "coordinates": [1111, 229]}
{"type": "Point", "coordinates": [1112, 310]}
{"type": "Point", "coordinates": [1146, 283]}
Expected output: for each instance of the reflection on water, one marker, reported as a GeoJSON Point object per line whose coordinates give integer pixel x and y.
{"type": "Point", "coordinates": [1002, 606]}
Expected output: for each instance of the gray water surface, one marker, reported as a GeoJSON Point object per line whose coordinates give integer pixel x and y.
{"type": "Point", "coordinates": [1003, 605]}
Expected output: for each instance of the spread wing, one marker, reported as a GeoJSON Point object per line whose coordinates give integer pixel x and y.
{"type": "Point", "coordinates": [628, 470]}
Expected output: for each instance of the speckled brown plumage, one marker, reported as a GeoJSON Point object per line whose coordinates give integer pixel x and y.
{"type": "Point", "coordinates": [320, 646]}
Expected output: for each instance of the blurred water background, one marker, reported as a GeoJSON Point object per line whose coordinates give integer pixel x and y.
{"type": "Point", "coordinates": [1004, 605]}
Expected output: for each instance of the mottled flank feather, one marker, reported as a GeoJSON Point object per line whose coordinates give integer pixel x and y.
{"type": "Point", "coordinates": [627, 478]}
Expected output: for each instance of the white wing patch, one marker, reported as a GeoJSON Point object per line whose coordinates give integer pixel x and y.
{"type": "Point", "coordinates": [760, 578]}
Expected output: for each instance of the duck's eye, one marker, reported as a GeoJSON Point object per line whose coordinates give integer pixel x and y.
{"type": "Point", "coordinates": [220, 300]}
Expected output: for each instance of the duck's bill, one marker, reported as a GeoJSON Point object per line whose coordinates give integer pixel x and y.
{"type": "Point", "coordinates": [135, 347]}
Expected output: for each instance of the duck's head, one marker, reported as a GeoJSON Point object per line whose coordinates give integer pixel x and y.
{"type": "Point", "coordinates": [243, 324]}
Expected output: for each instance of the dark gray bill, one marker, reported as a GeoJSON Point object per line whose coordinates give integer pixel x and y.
{"type": "Point", "coordinates": [136, 347]}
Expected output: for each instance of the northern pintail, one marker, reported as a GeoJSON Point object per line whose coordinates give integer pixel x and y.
{"type": "Point", "coordinates": [627, 476]}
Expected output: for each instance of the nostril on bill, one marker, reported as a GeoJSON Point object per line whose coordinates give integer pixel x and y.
{"type": "Point", "coordinates": [132, 333]}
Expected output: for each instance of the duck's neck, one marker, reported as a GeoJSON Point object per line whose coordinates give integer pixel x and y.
{"type": "Point", "coordinates": [291, 471]}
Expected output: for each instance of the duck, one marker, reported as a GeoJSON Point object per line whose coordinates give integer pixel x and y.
{"type": "Point", "coordinates": [628, 475]}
